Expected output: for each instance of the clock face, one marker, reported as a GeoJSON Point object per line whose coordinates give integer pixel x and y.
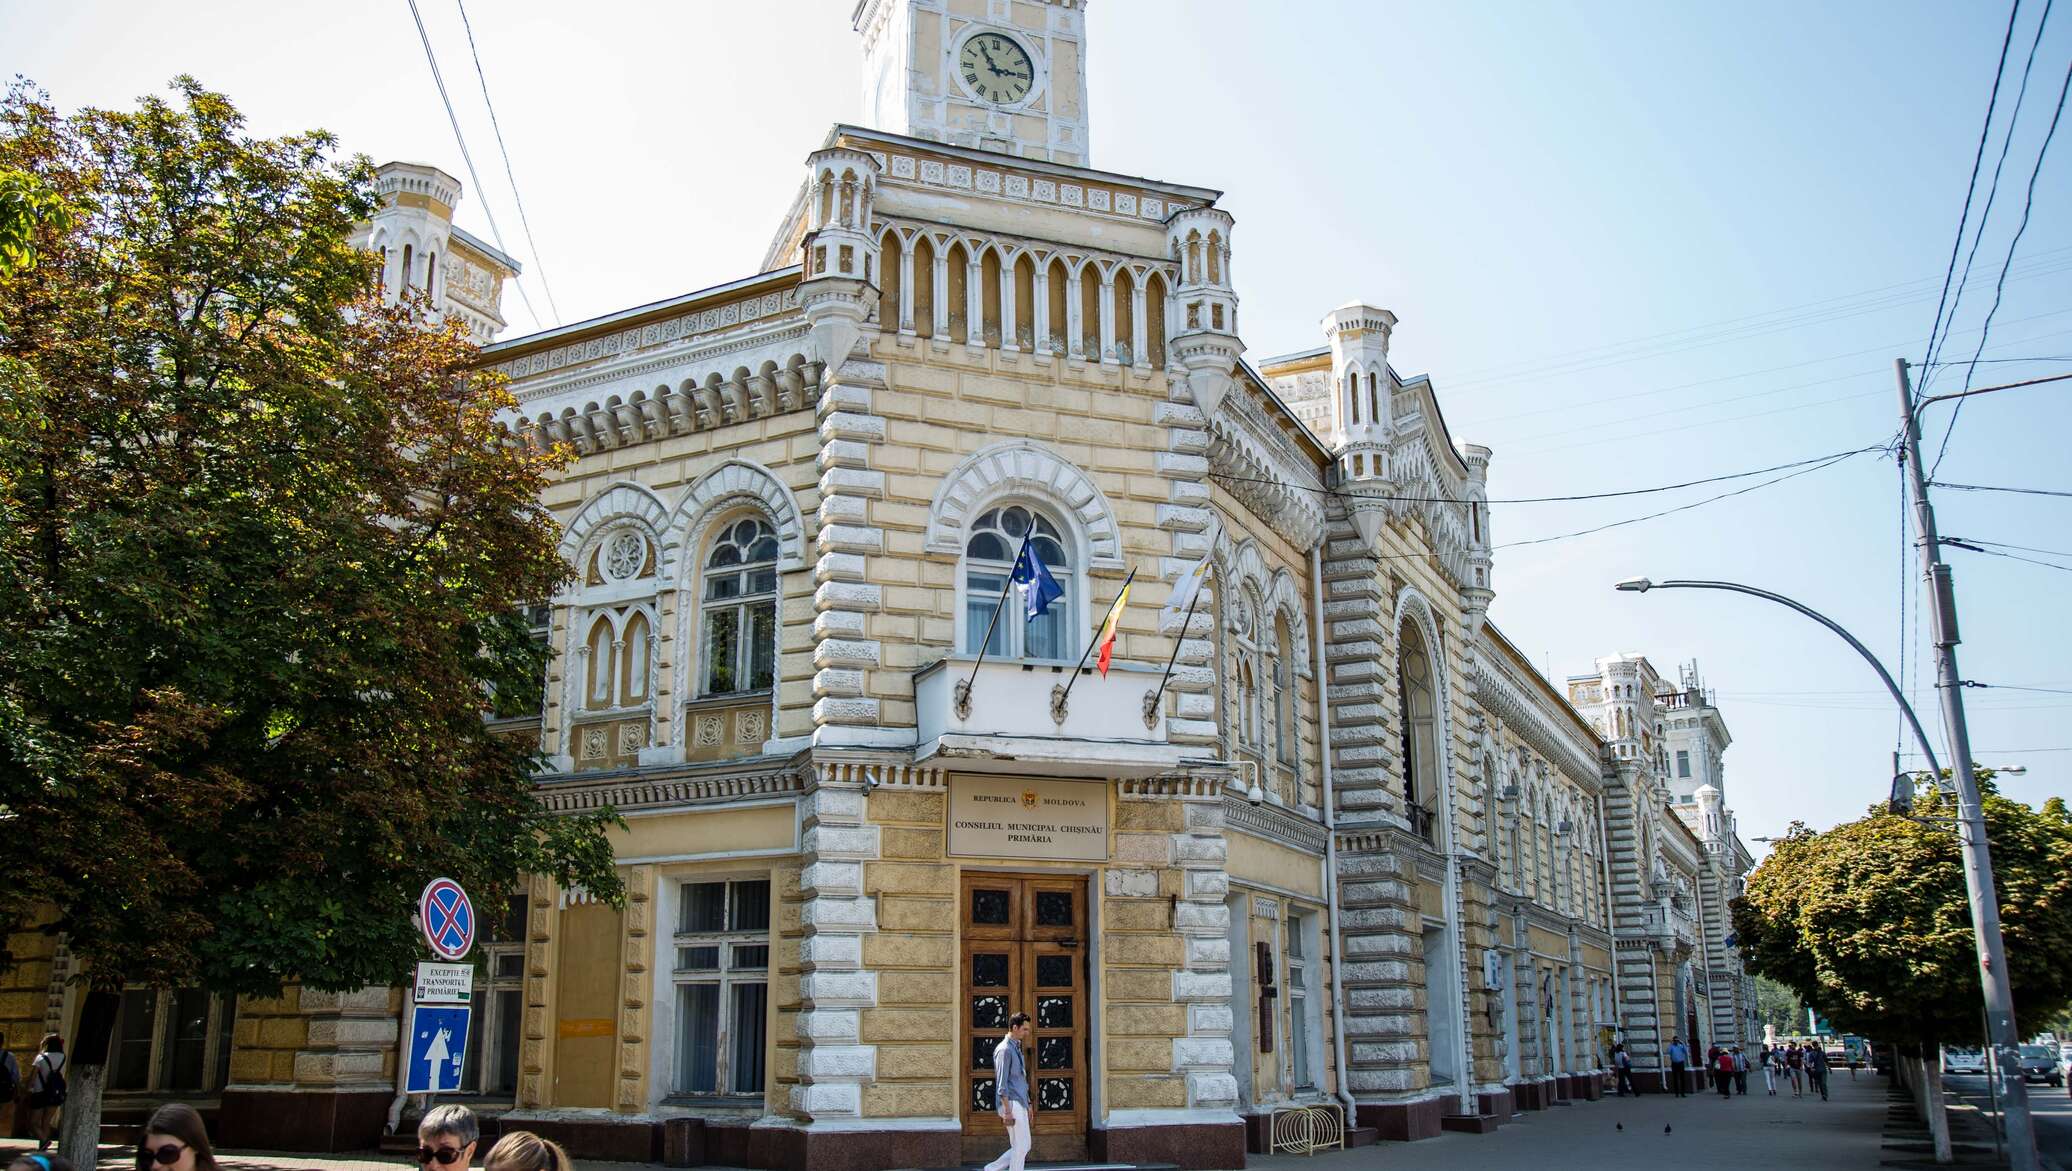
{"type": "Point", "coordinates": [996, 68]}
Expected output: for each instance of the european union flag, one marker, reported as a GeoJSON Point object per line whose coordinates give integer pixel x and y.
{"type": "Point", "coordinates": [1039, 588]}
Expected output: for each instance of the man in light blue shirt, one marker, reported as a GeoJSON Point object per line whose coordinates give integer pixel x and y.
{"type": "Point", "coordinates": [1679, 1060]}
{"type": "Point", "coordinates": [1011, 1093]}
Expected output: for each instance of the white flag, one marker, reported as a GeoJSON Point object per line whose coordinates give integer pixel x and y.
{"type": "Point", "coordinates": [1185, 589]}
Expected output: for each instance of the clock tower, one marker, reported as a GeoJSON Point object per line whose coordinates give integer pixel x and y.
{"type": "Point", "coordinates": [1002, 75]}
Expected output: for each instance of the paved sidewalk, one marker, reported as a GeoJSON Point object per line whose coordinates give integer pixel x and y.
{"type": "Point", "coordinates": [1705, 1132]}
{"type": "Point", "coordinates": [121, 1158]}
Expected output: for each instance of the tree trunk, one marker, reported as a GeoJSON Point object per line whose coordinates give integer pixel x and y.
{"type": "Point", "coordinates": [79, 1127]}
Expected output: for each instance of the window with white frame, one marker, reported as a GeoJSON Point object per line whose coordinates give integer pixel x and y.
{"type": "Point", "coordinates": [739, 608]}
{"type": "Point", "coordinates": [1242, 623]}
{"type": "Point", "coordinates": [722, 986]}
{"type": "Point", "coordinates": [989, 553]}
{"type": "Point", "coordinates": [1300, 1025]}
{"type": "Point", "coordinates": [493, 1039]}
{"type": "Point", "coordinates": [174, 1040]}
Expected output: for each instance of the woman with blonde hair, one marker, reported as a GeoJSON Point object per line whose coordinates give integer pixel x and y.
{"type": "Point", "coordinates": [522, 1150]}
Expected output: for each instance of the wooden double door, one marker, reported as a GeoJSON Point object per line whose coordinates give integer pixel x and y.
{"type": "Point", "coordinates": [1026, 950]}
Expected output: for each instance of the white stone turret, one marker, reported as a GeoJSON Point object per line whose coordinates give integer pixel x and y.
{"type": "Point", "coordinates": [1360, 392]}
{"type": "Point", "coordinates": [421, 249]}
{"type": "Point", "coordinates": [840, 255]}
{"type": "Point", "coordinates": [1204, 333]}
{"type": "Point", "coordinates": [1478, 592]}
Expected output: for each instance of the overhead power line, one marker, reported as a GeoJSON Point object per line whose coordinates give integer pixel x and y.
{"type": "Point", "coordinates": [1978, 158]}
{"type": "Point", "coordinates": [539, 266]}
{"type": "Point", "coordinates": [1970, 548]}
{"type": "Point", "coordinates": [2021, 226]}
{"type": "Point", "coordinates": [2019, 687]}
{"type": "Point", "coordinates": [2005, 545]}
{"type": "Point", "coordinates": [474, 176]}
{"type": "Point", "coordinates": [2014, 116]}
{"type": "Point", "coordinates": [1997, 488]}
{"type": "Point", "coordinates": [1827, 463]}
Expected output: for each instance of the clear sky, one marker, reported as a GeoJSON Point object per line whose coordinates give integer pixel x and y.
{"type": "Point", "coordinates": [1633, 243]}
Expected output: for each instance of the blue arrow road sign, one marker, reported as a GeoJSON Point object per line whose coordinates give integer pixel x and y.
{"type": "Point", "coordinates": [438, 1045]}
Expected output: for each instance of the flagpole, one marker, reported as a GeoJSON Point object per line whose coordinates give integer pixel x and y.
{"type": "Point", "coordinates": [1059, 705]}
{"type": "Point", "coordinates": [1180, 638]}
{"type": "Point", "coordinates": [964, 700]}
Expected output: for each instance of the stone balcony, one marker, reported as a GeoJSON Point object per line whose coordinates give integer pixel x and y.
{"type": "Point", "coordinates": [1009, 720]}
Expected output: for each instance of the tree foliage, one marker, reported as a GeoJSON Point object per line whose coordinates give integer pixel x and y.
{"type": "Point", "coordinates": [261, 541]}
{"type": "Point", "coordinates": [1870, 920]}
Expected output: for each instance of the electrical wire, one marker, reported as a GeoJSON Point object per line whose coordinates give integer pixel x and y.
{"type": "Point", "coordinates": [1997, 488]}
{"type": "Point", "coordinates": [2014, 116]}
{"type": "Point", "coordinates": [2010, 556]}
{"type": "Point", "coordinates": [1687, 507]}
{"type": "Point", "coordinates": [2005, 545]}
{"type": "Point", "coordinates": [2019, 687]}
{"type": "Point", "coordinates": [2028, 204]}
{"type": "Point", "coordinates": [1356, 495]}
{"type": "Point", "coordinates": [1978, 158]}
{"type": "Point", "coordinates": [539, 266]}
{"type": "Point", "coordinates": [474, 176]}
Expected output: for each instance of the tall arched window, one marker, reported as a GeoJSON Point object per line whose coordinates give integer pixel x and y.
{"type": "Point", "coordinates": [612, 684]}
{"type": "Point", "coordinates": [989, 553]}
{"type": "Point", "coordinates": [1418, 707]}
{"type": "Point", "coordinates": [1283, 690]}
{"type": "Point", "coordinates": [739, 607]}
{"type": "Point", "coordinates": [1246, 698]}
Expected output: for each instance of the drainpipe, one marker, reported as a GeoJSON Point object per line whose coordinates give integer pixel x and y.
{"type": "Point", "coordinates": [1316, 652]}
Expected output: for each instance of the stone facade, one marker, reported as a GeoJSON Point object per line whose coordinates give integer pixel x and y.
{"type": "Point", "coordinates": [1354, 852]}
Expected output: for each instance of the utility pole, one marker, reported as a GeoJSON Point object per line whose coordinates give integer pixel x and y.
{"type": "Point", "coordinates": [1971, 819]}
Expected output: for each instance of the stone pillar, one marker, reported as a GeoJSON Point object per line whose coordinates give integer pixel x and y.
{"type": "Point", "coordinates": [635, 1013]}
{"type": "Point", "coordinates": [843, 710]}
{"type": "Point", "coordinates": [834, 1063]}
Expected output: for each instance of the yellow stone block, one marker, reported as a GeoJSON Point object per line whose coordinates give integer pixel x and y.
{"type": "Point", "coordinates": [905, 1024]}
{"type": "Point", "coordinates": [1149, 815]}
{"type": "Point", "coordinates": [896, 949]}
{"type": "Point", "coordinates": [910, 1062]}
{"type": "Point", "coordinates": [909, 1100]}
{"type": "Point", "coordinates": [908, 878]}
{"type": "Point", "coordinates": [916, 988]}
{"type": "Point", "coordinates": [1147, 1020]}
{"type": "Point", "coordinates": [1153, 1054]}
{"type": "Point", "coordinates": [1163, 950]}
{"type": "Point", "coordinates": [922, 844]}
{"type": "Point", "coordinates": [250, 1065]}
{"type": "Point", "coordinates": [1152, 984]}
{"type": "Point", "coordinates": [1136, 915]}
{"type": "Point", "coordinates": [283, 1032]}
{"type": "Point", "coordinates": [924, 809]}
{"type": "Point", "coordinates": [909, 913]}
{"type": "Point", "coordinates": [1146, 1093]}
{"type": "Point", "coordinates": [283, 1065]}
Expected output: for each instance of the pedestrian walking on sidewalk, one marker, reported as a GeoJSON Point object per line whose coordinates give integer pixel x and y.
{"type": "Point", "coordinates": [46, 1089]}
{"type": "Point", "coordinates": [1740, 1072]}
{"type": "Point", "coordinates": [522, 1150]}
{"type": "Point", "coordinates": [175, 1140]}
{"type": "Point", "coordinates": [1679, 1060]}
{"type": "Point", "coordinates": [1794, 1066]}
{"type": "Point", "coordinates": [1723, 1071]}
{"type": "Point", "coordinates": [446, 1137]}
{"type": "Point", "coordinates": [1768, 1060]}
{"type": "Point", "coordinates": [1816, 1068]}
{"type": "Point", "coordinates": [1011, 1094]}
{"type": "Point", "coordinates": [1622, 1063]}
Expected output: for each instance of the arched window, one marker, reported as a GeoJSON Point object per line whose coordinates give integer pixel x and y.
{"type": "Point", "coordinates": [1419, 710]}
{"type": "Point", "coordinates": [1283, 690]}
{"type": "Point", "coordinates": [989, 553]}
{"type": "Point", "coordinates": [406, 268]}
{"type": "Point", "coordinates": [1245, 653]}
{"type": "Point", "coordinates": [739, 606]}
{"type": "Point", "coordinates": [431, 274]}
{"type": "Point", "coordinates": [610, 686]}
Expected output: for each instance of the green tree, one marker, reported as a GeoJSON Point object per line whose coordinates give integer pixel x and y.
{"type": "Point", "coordinates": [25, 207]}
{"type": "Point", "coordinates": [261, 541]}
{"type": "Point", "coordinates": [1780, 1007]}
{"type": "Point", "coordinates": [1871, 922]}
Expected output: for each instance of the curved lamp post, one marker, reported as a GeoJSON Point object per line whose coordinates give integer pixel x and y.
{"type": "Point", "coordinates": [1641, 585]}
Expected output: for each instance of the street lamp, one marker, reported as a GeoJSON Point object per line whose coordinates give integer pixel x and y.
{"type": "Point", "coordinates": [1978, 877]}
{"type": "Point", "coordinates": [1641, 585]}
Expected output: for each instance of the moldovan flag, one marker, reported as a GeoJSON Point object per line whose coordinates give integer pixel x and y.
{"type": "Point", "coordinates": [1108, 628]}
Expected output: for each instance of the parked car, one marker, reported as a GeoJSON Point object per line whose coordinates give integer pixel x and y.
{"type": "Point", "coordinates": [2040, 1064]}
{"type": "Point", "coordinates": [1958, 1060]}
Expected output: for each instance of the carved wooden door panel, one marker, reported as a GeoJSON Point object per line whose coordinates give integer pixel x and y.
{"type": "Point", "coordinates": [1025, 951]}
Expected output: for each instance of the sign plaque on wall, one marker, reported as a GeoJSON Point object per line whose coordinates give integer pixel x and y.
{"type": "Point", "coordinates": [1016, 817]}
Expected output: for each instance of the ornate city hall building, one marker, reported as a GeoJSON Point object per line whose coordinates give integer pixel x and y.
{"type": "Point", "coordinates": [1323, 851]}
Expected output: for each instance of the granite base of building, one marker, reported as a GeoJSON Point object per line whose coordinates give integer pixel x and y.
{"type": "Point", "coordinates": [1497, 1102]}
{"type": "Point", "coordinates": [1404, 1121]}
{"type": "Point", "coordinates": [1193, 1146]}
{"type": "Point", "coordinates": [303, 1120]}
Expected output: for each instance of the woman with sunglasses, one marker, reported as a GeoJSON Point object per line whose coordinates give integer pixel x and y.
{"type": "Point", "coordinates": [522, 1150]}
{"type": "Point", "coordinates": [175, 1140]}
{"type": "Point", "coordinates": [41, 1163]}
{"type": "Point", "coordinates": [446, 1138]}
